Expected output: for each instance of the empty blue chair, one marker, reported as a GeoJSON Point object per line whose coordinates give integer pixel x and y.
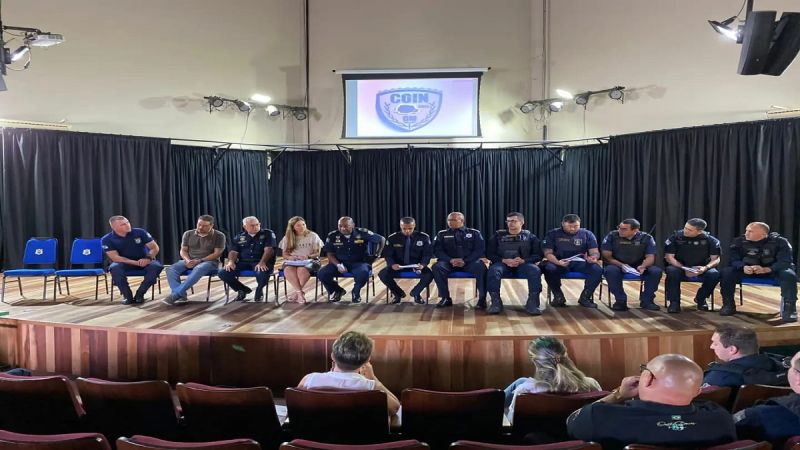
{"type": "Point", "coordinates": [84, 252]}
{"type": "Point", "coordinates": [38, 251]}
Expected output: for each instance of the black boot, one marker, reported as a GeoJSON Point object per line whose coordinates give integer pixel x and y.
{"type": "Point", "coordinates": [497, 304]}
{"type": "Point", "coordinates": [586, 300]}
{"type": "Point", "coordinates": [558, 298]}
{"type": "Point", "coordinates": [481, 303]}
{"type": "Point", "coordinates": [728, 307]}
{"type": "Point", "coordinates": [532, 305]}
{"type": "Point", "coordinates": [788, 310]}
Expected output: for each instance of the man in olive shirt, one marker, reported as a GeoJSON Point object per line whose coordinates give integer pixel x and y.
{"type": "Point", "coordinates": [200, 252]}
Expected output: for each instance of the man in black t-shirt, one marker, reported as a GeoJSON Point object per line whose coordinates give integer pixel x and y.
{"type": "Point", "coordinates": [691, 254]}
{"type": "Point", "coordinates": [663, 414]}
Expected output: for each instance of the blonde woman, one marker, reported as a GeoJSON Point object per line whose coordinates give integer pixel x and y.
{"type": "Point", "coordinates": [299, 243]}
{"type": "Point", "coordinates": [554, 371]}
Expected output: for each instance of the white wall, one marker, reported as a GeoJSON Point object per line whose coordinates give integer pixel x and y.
{"type": "Point", "coordinates": [680, 71]}
{"type": "Point", "coordinates": [142, 67]}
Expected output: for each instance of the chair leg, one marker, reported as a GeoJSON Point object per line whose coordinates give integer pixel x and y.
{"type": "Point", "coordinates": [19, 284]}
{"type": "Point", "coordinates": [712, 300]}
{"type": "Point", "coordinates": [316, 285]}
{"type": "Point", "coordinates": [159, 285]}
{"type": "Point", "coordinates": [3, 294]}
{"type": "Point", "coordinates": [208, 289]}
{"type": "Point", "coordinates": [741, 295]}
{"type": "Point", "coordinates": [96, 287]}
{"type": "Point", "coordinates": [44, 292]}
{"type": "Point", "coordinates": [153, 291]}
{"type": "Point", "coordinates": [66, 280]}
{"type": "Point", "coordinates": [56, 280]}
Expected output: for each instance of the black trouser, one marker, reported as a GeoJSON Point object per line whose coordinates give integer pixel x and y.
{"type": "Point", "coordinates": [387, 276]}
{"type": "Point", "coordinates": [675, 275]}
{"type": "Point", "coordinates": [731, 276]}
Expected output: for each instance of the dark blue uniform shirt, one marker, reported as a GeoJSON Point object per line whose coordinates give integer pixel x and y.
{"type": "Point", "coordinates": [465, 243]}
{"type": "Point", "coordinates": [694, 251]}
{"type": "Point", "coordinates": [629, 251]}
{"type": "Point", "coordinates": [251, 248]}
{"type": "Point", "coordinates": [420, 252]}
{"type": "Point", "coordinates": [566, 245]}
{"type": "Point", "coordinates": [132, 246]}
{"type": "Point", "coordinates": [504, 245]}
{"type": "Point", "coordinates": [354, 249]}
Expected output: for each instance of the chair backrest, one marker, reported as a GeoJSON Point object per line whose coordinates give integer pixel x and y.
{"type": "Point", "coordinates": [214, 413]}
{"type": "Point", "coordinates": [546, 413]}
{"type": "Point", "coordinates": [40, 251]}
{"type": "Point", "coordinates": [303, 444]}
{"type": "Point", "coordinates": [126, 408]}
{"type": "Point", "coordinates": [73, 441]}
{"type": "Point", "coordinates": [749, 394]}
{"type": "Point", "coordinates": [717, 394]}
{"type": "Point", "coordinates": [139, 442]}
{"type": "Point", "coordinates": [86, 251]}
{"type": "Point", "coordinates": [567, 445]}
{"type": "Point", "coordinates": [736, 445]}
{"type": "Point", "coordinates": [439, 418]}
{"type": "Point", "coordinates": [338, 416]}
{"type": "Point", "coordinates": [39, 405]}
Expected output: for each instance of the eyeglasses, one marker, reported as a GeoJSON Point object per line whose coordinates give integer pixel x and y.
{"type": "Point", "coordinates": [787, 363]}
{"type": "Point", "coordinates": [643, 367]}
{"type": "Point", "coordinates": [513, 220]}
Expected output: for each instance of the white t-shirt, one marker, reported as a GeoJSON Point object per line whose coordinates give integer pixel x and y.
{"type": "Point", "coordinates": [533, 387]}
{"type": "Point", "coordinates": [304, 245]}
{"type": "Point", "coordinates": [341, 380]}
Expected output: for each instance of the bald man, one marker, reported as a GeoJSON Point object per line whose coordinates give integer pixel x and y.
{"type": "Point", "coordinates": [776, 419]}
{"type": "Point", "coordinates": [663, 414]}
{"type": "Point", "coordinates": [760, 254]}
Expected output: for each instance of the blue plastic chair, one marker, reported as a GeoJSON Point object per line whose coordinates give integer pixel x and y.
{"type": "Point", "coordinates": [38, 251]}
{"type": "Point", "coordinates": [625, 277]}
{"type": "Point", "coordinates": [404, 275]}
{"type": "Point", "coordinates": [84, 252]}
{"type": "Point", "coordinates": [249, 274]}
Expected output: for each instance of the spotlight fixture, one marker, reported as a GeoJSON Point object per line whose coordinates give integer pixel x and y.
{"type": "Point", "coordinates": [272, 110]}
{"type": "Point", "coordinates": [215, 102]}
{"type": "Point", "coordinates": [300, 113]}
{"type": "Point", "coordinates": [582, 99]}
{"type": "Point", "coordinates": [616, 93]}
{"type": "Point", "coordinates": [17, 54]}
{"type": "Point", "coordinates": [724, 28]}
{"type": "Point", "coordinates": [243, 106]}
{"type": "Point", "coordinates": [31, 37]}
{"type": "Point", "coordinates": [556, 106]}
{"type": "Point", "coordinates": [527, 107]}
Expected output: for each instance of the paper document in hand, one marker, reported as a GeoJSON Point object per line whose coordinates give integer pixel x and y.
{"type": "Point", "coordinates": [409, 266]}
{"type": "Point", "coordinates": [690, 269]}
{"type": "Point", "coordinates": [628, 269]}
{"type": "Point", "coordinates": [575, 258]}
{"type": "Point", "coordinates": [299, 262]}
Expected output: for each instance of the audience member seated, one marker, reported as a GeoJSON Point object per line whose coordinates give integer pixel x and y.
{"type": "Point", "coordinates": [776, 419]}
{"type": "Point", "coordinates": [299, 244]}
{"type": "Point", "coordinates": [663, 414]}
{"type": "Point", "coordinates": [737, 349]}
{"type": "Point", "coordinates": [554, 371]}
{"type": "Point", "coordinates": [351, 369]}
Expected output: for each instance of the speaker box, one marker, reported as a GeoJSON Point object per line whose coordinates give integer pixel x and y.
{"type": "Point", "coordinates": [757, 37]}
{"type": "Point", "coordinates": [786, 45]}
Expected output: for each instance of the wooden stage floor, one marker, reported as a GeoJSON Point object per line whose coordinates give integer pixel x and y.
{"type": "Point", "coordinates": [260, 344]}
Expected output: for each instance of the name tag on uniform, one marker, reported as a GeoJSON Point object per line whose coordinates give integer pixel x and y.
{"type": "Point", "coordinates": [449, 237]}
{"type": "Point", "coordinates": [358, 241]}
{"type": "Point", "coordinates": [397, 245]}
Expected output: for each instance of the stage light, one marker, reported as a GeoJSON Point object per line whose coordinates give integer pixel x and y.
{"type": "Point", "coordinates": [564, 94]}
{"type": "Point", "coordinates": [243, 106]}
{"type": "Point", "coordinates": [556, 106]}
{"type": "Point", "coordinates": [261, 98]}
{"type": "Point", "coordinates": [527, 107]}
{"type": "Point", "coordinates": [272, 110]}
{"type": "Point", "coordinates": [299, 113]}
{"type": "Point", "coordinates": [215, 102]}
{"type": "Point", "coordinates": [17, 54]}
{"type": "Point", "coordinates": [582, 99]}
{"type": "Point", "coordinates": [725, 29]}
{"type": "Point", "coordinates": [616, 93]}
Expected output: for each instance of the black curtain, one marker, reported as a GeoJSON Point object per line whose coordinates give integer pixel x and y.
{"type": "Point", "coordinates": [66, 185]}
{"type": "Point", "coordinates": [227, 184]}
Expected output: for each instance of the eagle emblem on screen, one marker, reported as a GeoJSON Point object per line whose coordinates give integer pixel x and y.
{"type": "Point", "coordinates": [408, 109]}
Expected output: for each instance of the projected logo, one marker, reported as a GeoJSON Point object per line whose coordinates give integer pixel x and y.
{"type": "Point", "coordinates": [408, 109]}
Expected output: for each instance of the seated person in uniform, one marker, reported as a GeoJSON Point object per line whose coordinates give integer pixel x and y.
{"type": "Point", "coordinates": [299, 244]}
{"type": "Point", "coordinates": [406, 248]}
{"type": "Point", "coordinates": [351, 369]}
{"type": "Point", "coordinates": [776, 419]}
{"type": "Point", "coordinates": [663, 414]}
{"type": "Point", "coordinates": [692, 254]}
{"type": "Point", "coordinates": [554, 371]}
{"type": "Point", "coordinates": [737, 349]}
{"type": "Point", "coordinates": [349, 249]}
{"type": "Point", "coordinates": [760, 254]}
{"type": "Point", "coordinates": [514, 251]}
{"type": "Point", "coordinates": [458, 248]}
{"type": "Point", "coordinates": [628, 250]}
{"type": "Point", "coordinates": [200, 252]}
{"type": "Point", "coordinates": [131, 249]}
{"type": "Point", "coordinates": [572, 249]}
{"type": "Point", "coordinates": [253, 249]}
